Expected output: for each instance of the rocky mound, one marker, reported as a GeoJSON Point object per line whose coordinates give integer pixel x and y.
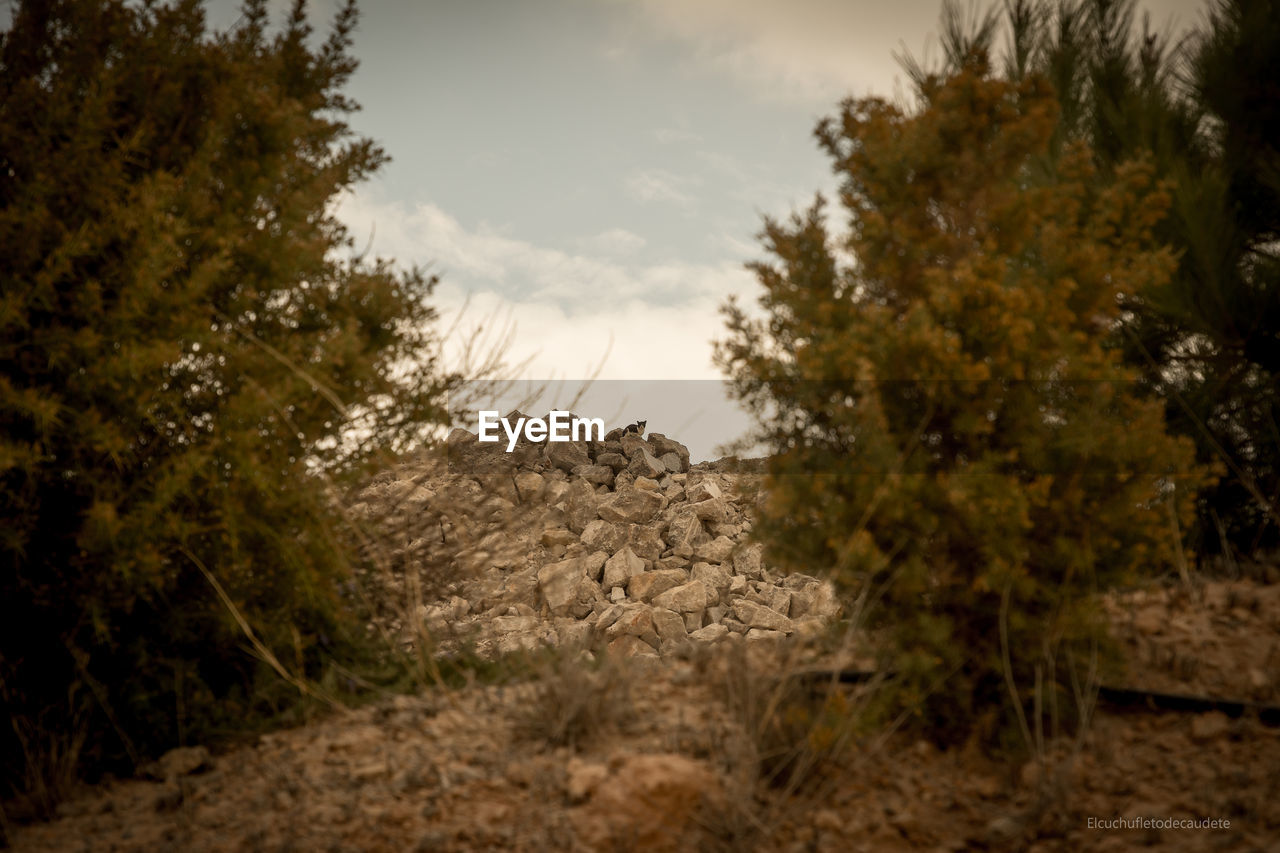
{"type": "Point", "coordinates": [619, 541]}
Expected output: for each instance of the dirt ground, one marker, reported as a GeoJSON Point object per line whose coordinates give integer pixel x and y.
{"type": "Point", "coordinates": [661, 754]}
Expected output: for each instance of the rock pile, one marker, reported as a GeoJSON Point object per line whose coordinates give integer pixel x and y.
{"type": "Point", "coordinates": [620, 541]}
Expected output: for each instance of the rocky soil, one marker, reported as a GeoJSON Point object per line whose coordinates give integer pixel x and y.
{"type": "Point", "coordinates": [659, 724]}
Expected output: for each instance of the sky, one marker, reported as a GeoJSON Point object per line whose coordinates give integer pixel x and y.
{"type": "Point", "coordinates": [588, 177]}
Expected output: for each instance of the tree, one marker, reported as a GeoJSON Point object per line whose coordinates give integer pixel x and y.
{"type": "Point", "coordinates": [190, 353]}
{"type": "Point", "coordinates": [1202, 110]}
{"type": "Point", "coordinates": [950, 429]}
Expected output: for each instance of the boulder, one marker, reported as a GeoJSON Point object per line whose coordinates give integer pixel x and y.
{"type": "Point", "coordinates": [621, 567]}
{"type": "Point", "coordinates": [616, 461]}
{"type": "Point", "coordinates": [643, 587]}
{"type": "Point", "coordinates": [703, 490]}
{"type": "Point", "coordinates": [662, 446]}
{"type": "Point", "coordinates": [687, 598]}
{"type": "Point", "coordinates": [755, 615]}
{"type": "Point", "coordinates": [645, 464]}
{"type": "Point", "coordinates": [567, 455]}
{"type": "Point", "coordinates": [715, 551]}
{"type": "Point", "coordinates": [631, 505]}
{"type": "Point", "coordinates": [712, 510]}
{"type": "Point", "coordinates": [669, 625]}
{"type": "Point", "coordinates": [600, 475]}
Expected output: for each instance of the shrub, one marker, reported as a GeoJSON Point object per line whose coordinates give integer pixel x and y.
{"type": "Point", "coordinates": [953, 431]}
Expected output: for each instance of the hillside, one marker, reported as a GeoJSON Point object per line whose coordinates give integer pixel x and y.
{"type": "Point", "coordinates": [686, 700]}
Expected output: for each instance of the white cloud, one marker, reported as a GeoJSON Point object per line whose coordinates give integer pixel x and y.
{"type": "Point", "coordinates": [487, 260]}
{"type": "Point", "coordinates": [570, 310]}
{"type": "Point", "coordinates": [615, 241]}
{"type": "Point", "coordinates": [820, 50]}
{"type": "Point", "coordinates": [658, 185]}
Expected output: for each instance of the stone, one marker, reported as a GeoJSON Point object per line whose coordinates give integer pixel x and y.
{"type": "Point", "coordinates": [581, 505]}
{"type": "Point", "coordinates": [602, 535]}
{"type": "Point", "coordinates": [630, 646]}
{"type": "Point", "coordinates": [703, 490]}
{"type": "Point", "coordinates": [716, 577]}
{"type": "Point", "coordinates": [529, 484]}
{"type": "Point", "coordinates": [662, 446]}
{"type": "Point", "coordinates": [621, 567]}
{"type": "Point", "coordinates": [715, 551]}
{"type": "Point", "coordinates": [684, 533]}
{"type": "Point", "coordinates": [632, 506]}
{"type": "Point", "coordinates": [643, 587]}
{"type": "Point", "coordinates": [755, 615]}
{"type": "Point", "coordinates": [567, 455]}
{"type": "Point", "coordinates": [712, 510]}
{"type": "Point", "coordinates": [645, 464]}
{"type": "Point", "coordinates": [669, 625]}
{"type": "Point", "coordinates": [685, 598]}
{"type": "Point", "coordinates": [593, 564]}
{"type": "Point", "coordinates": [633, 444]}
{"type": "Point", "coordinates": [710, 633]}
{"type": "Point", "coordinates": [636, 620]}
{"type": "Point", "coordinates": [566, 589]}
{"type": "Point", "coordinates": [647, 484]}
{"type": "Point", "coordinates": [749, 561]}
{"type": "Point", "coordinates": [671, 462]}
{"type": "Point", "coordinates": [764, 634]}
{"type": "Point", "coordinates": [618, 594]}
{"type": "Point", "coordinates": [616, 461]}
{"type": "Point", "coordinates": [608, 616]}
{"type": "Point", "coordinates": [600, 475]}
{"type": "Point", "coordinates": [572, 633]}
{"type": "Point", "coordinates": [557, 536]}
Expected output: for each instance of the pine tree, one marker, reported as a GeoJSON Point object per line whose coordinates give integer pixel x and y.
{"type": "Point", "coordinates": [187, 342]}
{"type": "Point", "coordinates": [1202, 110]}
{"type": "Point", "coordinates": [950, 430]}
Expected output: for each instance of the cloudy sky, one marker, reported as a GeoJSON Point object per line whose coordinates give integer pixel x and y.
{"type": "Point", "coordinates": [594, 172]}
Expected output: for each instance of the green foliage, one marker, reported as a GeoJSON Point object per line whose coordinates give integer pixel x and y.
{"type": "Point", "coordinates": [190, 354]}
{"type": "Point", "coordinates": [953, 433]}
{"type": "Point", "coordinates": [1203, 111]}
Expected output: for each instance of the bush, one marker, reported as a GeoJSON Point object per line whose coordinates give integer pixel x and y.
{"type": "Point", "coordinates": [953, 432]}
{"type": "Point", "coordinates": [191, 356]}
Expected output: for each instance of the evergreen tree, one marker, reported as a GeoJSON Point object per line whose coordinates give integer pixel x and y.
{"type": "Point", "coordinates": [950, 429]}
{"type": "Point", "coordinates": [1203, 110]}
{"type": "Point", "coordinates": [187, 342]}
